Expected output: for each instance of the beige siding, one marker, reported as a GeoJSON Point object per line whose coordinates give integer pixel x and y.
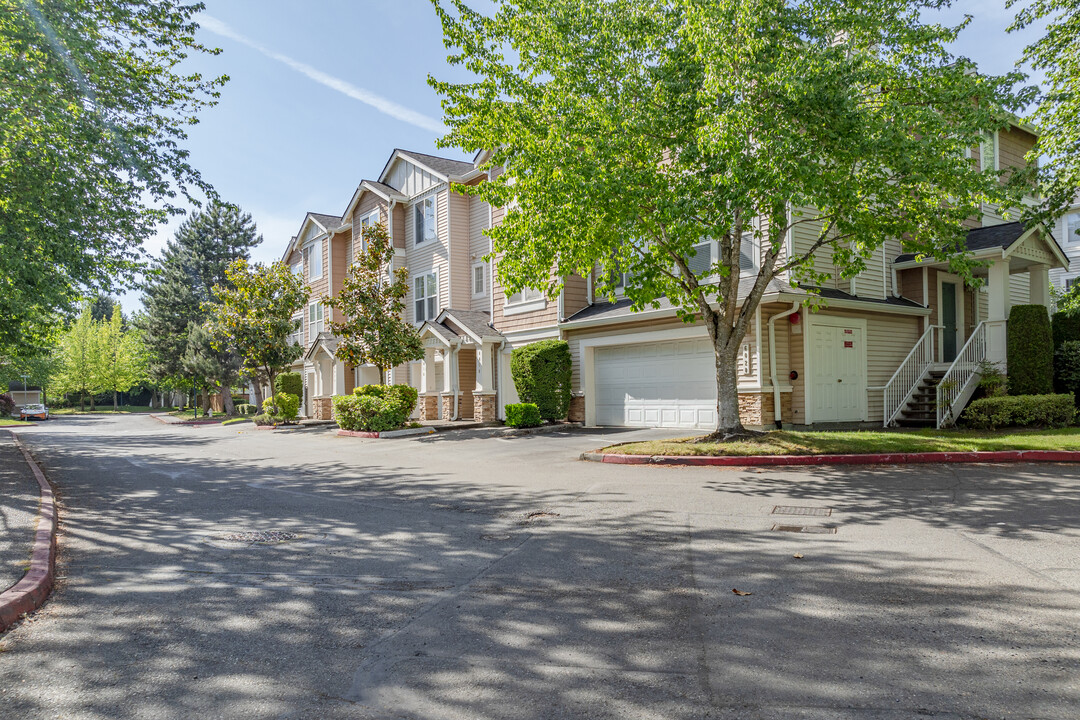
{"type": "Point", "coordinates": [466, 380]}
{"type": "Point", "coordinates": [479, 246]}
{"type": "Point", "coordinates": [871, 282]}
{"type": "Point", "coordinates": [575, 294]}
{"type": "Point", "coordinates": [911, 284]}
{"type": "Point", "coordinates": [428, 256]}
{"type": "Point", "coordinates": [1019, 289]}
{"type": "Point", "coordinates": [397, 226]}
{"type": "Point", "coordinates": [546, 317]}
{"type": "Point", "coordinates": [369, 202]}
{"type": "Point", "coordinates": [339, 245]}
{"type": "Point", "coordinates": [1013, 146]}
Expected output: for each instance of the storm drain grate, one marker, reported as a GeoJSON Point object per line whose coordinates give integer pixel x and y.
{"type": "Point", "coordinates": [801, 510]}
{"type": "Point", "coordinates": [813, 529]}
{"type": "Point", "coordinates": [261, 537]}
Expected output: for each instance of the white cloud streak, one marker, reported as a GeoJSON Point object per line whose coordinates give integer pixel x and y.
{"type": "Point", "coordinates": [387, 107]}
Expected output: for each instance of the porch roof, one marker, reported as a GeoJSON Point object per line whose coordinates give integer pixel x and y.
{"type": "Point", "coordinates": [1004, 241]}
{"type": "Point", "coordinates": [456, 325]}
{"type": "Point", "coordinates": [326, 342]}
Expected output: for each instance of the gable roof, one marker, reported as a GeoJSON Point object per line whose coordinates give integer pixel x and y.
{"type": "Point", "coordinates": [444, 167]}
{"type": "Point", "coordinates": [996, 237]}
{"type": "Point", "coordinates": [381, 189]}
{"type": "Point", "coordinates": [325, 221]}
{"type": "Point", "coordinates": [475, 322]}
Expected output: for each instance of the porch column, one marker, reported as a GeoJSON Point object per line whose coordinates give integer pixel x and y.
{"type": "Point", "coordinates": [998, 313]}
{"type": "Point", "coordinates": [339, 378]}
{"type": "Point", "coordinates": [1039, 285]}
{"type": "Point", "coordinates": [484, 409]}
{"type": "Point", "coordinates": [450, 372]}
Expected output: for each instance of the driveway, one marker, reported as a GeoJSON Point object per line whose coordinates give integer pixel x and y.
{"type": "Point", "coordinates": [225, 573]}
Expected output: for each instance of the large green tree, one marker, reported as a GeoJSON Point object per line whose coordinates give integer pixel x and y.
{"type": "Point", "coordinates": [124, 362]}
{"type": "Point", "coordinates": [1056, 55]}
{"type": "Point", "coordinates": [215, 363]}
{"type": "Point", "coordinates": [631, 131]}
{"type": "Point", "coordinates": [371, 302]}
{"type": "Point", "coordinates": [253, 314]}
{"type": "Point", "coordinates": [94, 110]}
{"type": "Point", "coordinates": [83, 358]}
{"type": "Point", "coordinates": [192, 265]}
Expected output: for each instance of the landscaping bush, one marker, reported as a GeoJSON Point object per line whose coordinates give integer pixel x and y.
{"type": "Point", "coordinates": [1030, 351]}
{"type": "Point", "coordinates": [541, 372]}
{"type": "Point", "coordinates": [7, 404]}
{"type": "Point", "coordinates": [1067, 368]}
{"type": "Point", "coordinates": [265, 419]}
{"type": "Point", "coordinates": [1021, 411]}
{"type": "Point", "coordinates": [246, 409]}
{"type": "Point", "coordinates": [992, 382]}
{"type": "Point", "coordinates": [523, 415]}
{"type": "Point", "coordinates": [375, 408]}
{"type": "Point", "coordinates": [289, 382]}
{"type": "Point", "coordinates": [1065, 327]}
{"type": "Point", "coordinates": [287, 406]}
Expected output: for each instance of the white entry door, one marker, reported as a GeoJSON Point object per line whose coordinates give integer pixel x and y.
{"type": "Point", "coordinates": [661, 384]}
{"type": "Point", "coordinates": [838, 383]}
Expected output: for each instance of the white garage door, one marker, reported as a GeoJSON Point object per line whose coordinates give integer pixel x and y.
{"type": "Point", "coordinates": [662, 384]}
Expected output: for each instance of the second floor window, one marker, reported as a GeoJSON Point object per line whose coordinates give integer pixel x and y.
{"type": "Point", "coordinates": [298, 269]}
{"type": "Point", "coordinates": [313, 254]}
{"type": "Point", "coordinates": [316, 321]}
{"type": "Point", "coordinates": [370, 220]}
{"type": "Point", "coordinates": [479, 280]}
{"type": "Point", "coordinates": [524, 296]}
{"type": "Point", "coordinates": [1072, 229]}
{"type": "Point", "coordinates": [296, 337]}
{"type": "Point", "coordinates": [707, 253]}
{"type": "Point", "coordinates": [425, 220]}
{"type": "Point", "coordinates": [426, 297]}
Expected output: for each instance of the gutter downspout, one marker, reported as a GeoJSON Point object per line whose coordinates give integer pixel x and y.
{"type": "Point", "coordinates": [772, 361]}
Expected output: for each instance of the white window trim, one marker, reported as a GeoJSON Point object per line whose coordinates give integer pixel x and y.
{"type": "Point", "coordinates": [993, 144]}
{"type": "Point", "coordinates": [315, 244]}
{"type": "Point", "coordinates": [483, 268]}
{"type": "Point", "coordinates": [412, 283]}
{"type": "Point", "coordinates": [419, 203]}
{"type": "Point", "coordinates": [525, 306]}
{"type": "Point", "coordinates": [312, 323]}
{"type": "Point", "coordinates": [374, 216]}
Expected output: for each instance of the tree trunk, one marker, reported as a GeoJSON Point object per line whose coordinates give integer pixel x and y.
{"type": "Point", "coordinates": [206, 402]}
{"type": "Point", "coordinates": [226, 400]}
{"type": "Point", "coordinates": [728, 422]}
{"type": "Point", "coordinates": [115, 407]}
{"type": "Point", "coordinates": [382, 376]}
{"type": "Point", "coordinates": [92, 408]}
{"type": "Point", "coordinates": [256, 386]}
{"type": "Point", "coordinates": [82, 402]}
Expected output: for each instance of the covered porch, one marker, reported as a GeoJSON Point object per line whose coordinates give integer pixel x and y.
{"type": "Point", "coordinates": [457, 378]}
{"type": "Point", "coordinates": [324, 377]}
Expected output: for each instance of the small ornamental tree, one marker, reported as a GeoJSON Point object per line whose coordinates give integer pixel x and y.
{"type": "Point", "coordinates": [255, 315]}
{"type": "Point", "coordinates": [1029, 351]}
{"type": "Point", "coordinates": [373, 328]}
{"type": "Point", "coordinates": [674, 146]}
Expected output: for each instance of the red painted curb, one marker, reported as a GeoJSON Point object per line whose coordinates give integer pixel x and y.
{"type": "Point", "coordinates": [358, 433]}
{"type": "Point", "coordinates": [995, 456]}
{"type": "Point", "coordinates": [29, 593]}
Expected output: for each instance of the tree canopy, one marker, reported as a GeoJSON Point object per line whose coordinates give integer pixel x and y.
{"type": "Point", "coordinates": [372, 328]}
{"type": "Point", "coordinates": [94, 111]}
{"type": "Point", "coordinates": [630, 132]}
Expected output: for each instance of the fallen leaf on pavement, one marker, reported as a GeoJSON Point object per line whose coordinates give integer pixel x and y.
{"type": "Point", "coordinates": [797, 556]}
{"type": "Point", "coordinates": [740, 592]}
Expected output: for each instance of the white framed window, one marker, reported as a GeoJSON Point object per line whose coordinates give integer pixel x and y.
{"type": "Point", "coordinates": [296, 337]}
{"type": "Point", "coordinates": [298, 269]}
{"type": "Point", "coordinates": [707, 254]}
{"type": "Point", "coordinates": [369, 220]}
{"type": "Point", "coordinates": [425, 297]}
{"type": "Point", "coordinates": [1070, 283]}
{"type": "Point", "coordinates": [313, 255]}
{"type": "Point", "coordinates": [424, 214]}
{"type": "Point", "coordinates": [988, 152]}
{"type": "Point", "coordinates": [527, 295]}
{"type": "Point", "coordinates": [479, 279]}
{"type": "Point", "coordinates": [1072, 228]}
{"type": "Point", "coordinates": [316, 319]}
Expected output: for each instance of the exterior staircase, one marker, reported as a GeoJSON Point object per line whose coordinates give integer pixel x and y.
{"type": "Point", "coordinates": [921, 409]}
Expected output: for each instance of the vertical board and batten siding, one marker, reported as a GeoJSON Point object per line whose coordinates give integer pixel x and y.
{"type": "Point", "coordinates": [479, 245]}
{"type": "Point", "coordinates": [460, 256]}
{"type": "Point", "coordinates": [429, 255]}
{"type": "Point", "coordinates": [411, 180]}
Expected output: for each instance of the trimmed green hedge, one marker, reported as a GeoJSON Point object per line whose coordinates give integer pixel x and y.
{"type": "Point", "coordinates": [1021, 411]}
{"type": "Point", "coordinates": [289, 382]}
{"type": "Point", "coordinates": [1030, 351]}
{"type": "Point", "coordinates": [246, 409]}
{"type": "Point", "coordinates": [1067, 368]}
{"type": "Point", "coordinates": [1065, 327]}
{"type": "Point", "coordinates": [541, 372]}
{"type": "Point", "coordinates": [375, 408]}
{"type": "Point", "coordinates": [523, 415]}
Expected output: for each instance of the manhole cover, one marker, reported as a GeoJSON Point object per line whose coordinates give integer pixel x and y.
{"type": "Point", "coordinates": [814, 529]}
{"type": "Point", "coordinates": [260, 537]}
{"type": "Point", "coordinates": [493, 537]}
{"type": "Point", "coordinates": [801, 510]}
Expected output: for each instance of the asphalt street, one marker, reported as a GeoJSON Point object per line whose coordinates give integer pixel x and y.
{"type": "Point", "coordinates": [220, 572]}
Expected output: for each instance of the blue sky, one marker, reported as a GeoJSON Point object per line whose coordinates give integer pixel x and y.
{"type": "Point", "coordinates": [321, 92]}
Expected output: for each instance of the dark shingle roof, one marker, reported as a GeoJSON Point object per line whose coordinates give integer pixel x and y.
{"type": "Point", "coordinates": [985, 238]}
{"type": "Point", "coordinates": [382, 187]}
{"type": "Point", "coordinates": [444, 166]}
{"type": "Point", "coordinates": [834, 294]}
{"type": "Point", "coordinates": [476, 322]}
{"type": "Point", "coordinates": [330, 222]}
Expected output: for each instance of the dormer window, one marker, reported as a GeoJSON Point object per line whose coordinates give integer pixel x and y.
{"type": "Point", "coordinates": [425, 220]}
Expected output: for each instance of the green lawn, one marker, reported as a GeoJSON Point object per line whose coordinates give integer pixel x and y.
{"type": "Point", "coordinates": [235, 421]}
{"type": "Point", "coordinates": [783, 442]}
{"type": "Point", "coordinates": [11, 422]}
{"type": "Point", "coordinates": [104, 410]}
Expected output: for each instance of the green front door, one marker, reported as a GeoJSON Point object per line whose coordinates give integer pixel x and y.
{"type": "Point", "coordinates": [948, 319]}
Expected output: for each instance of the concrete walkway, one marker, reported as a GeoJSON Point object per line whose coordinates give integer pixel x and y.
{"type": "Point", "coordinates": [18, 511]}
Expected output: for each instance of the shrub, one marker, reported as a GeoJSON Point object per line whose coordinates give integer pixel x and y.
{"type": "Point", "coordinates": [7, 404]}
{"type": "Point", "coordinates": [1030, 351]}
{"type": "Point", "coordinates": [264, 419]}
{"type": "Point", "coordinates": [992, 381]}
{"type": "Point", "coordinates": [1067, 368]}
{"type": "Point", "coordinates": [289, 382]}
{"type": "Point", "coordinates": [1021, 411]}
{"type": "Point", "coordinates": [287, 406]}
{"type": "Point", "coordinates": [239, 400]}
{"type": "Point", "coordinates": [522, 415]}
{"type": "Point", "coordinates": [245, 409]}
{"type": "Point", "coordinates": [375, 408]}
{"type": "Point", "coordinates": [541, 372]}
{"type": "Point", "coordinates": [1065, 326]}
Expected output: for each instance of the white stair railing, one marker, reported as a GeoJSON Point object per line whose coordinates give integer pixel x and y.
{"type": "Point", "coordinates": [908, 376]}
{"type": "Point", "coordinates": [955, 387]}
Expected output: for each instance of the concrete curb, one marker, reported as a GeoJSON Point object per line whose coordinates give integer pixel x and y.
{"type": "Point", "coordinates": [171, 420]}
{"type": "Point", "coordinates": [29, 593]}
{"type": "Point", "coordinates": [996, 456]}
{"type": "Point", "coordinates": [386, 434]}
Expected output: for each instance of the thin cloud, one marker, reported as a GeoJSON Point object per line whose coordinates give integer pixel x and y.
{"type": "Point", "coordinates": [387, 107]}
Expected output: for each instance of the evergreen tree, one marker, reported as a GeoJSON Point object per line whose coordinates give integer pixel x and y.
{"type": "Point", "coordinates": [192, 264]}
{"type": "Point", "coordinates": [217, 368]}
